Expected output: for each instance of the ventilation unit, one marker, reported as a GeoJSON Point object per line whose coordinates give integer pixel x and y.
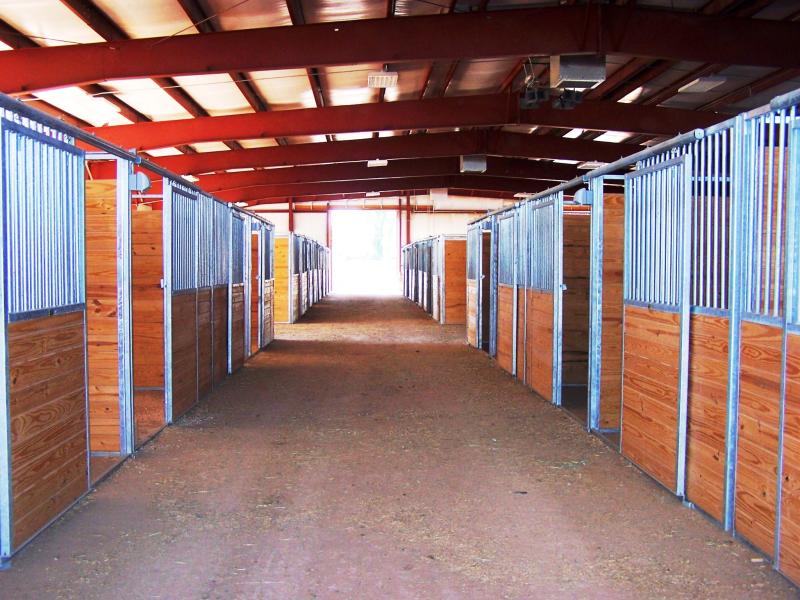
{"type": "Point", "coordinates": [577, 71]}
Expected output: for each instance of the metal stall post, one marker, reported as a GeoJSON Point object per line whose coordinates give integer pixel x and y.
{"type": "Point", "coordinates": [493, 264]}
{"type": "Point", "coordinates": [247, 260]}
{"type": "Point", "coordinates": [514, 287]}
{"type": "Point", "coordinates": [558, 293]}
{"type": "Point", "coordinates": [125, 184]}
{"type": "Point", "coordinates": [6, 538]}
{"type": "Point", "coordinates": [166, 285]}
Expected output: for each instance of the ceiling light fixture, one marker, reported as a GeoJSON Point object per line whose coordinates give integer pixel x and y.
{"type": "Point", "coordinates": [377, 162]}
{"type": "Point", "coordinates": [382, 79]}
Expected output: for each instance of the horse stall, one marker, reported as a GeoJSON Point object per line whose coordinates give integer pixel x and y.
{"type": "Point", "coordinates": [44, 458]}
{"type": "Point", "coordinates": [450, 288]}
{"type": "Point", "coordinates": [477, 287]}
{"type": "Point", "coordinates": [303, 258]}
{"type": "Point", "coordinates": [262, 290]}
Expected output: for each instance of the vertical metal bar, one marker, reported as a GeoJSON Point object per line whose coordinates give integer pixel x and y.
{"type": "Point", "coordinates": [168, 224]}
{"type": "Point", "coordinates": [759, 229]}
{"type": "Point", "coordinates": [595, 302]}
{"type": "Point", "coordinates": [683, 207]}
{"type": "Point", "coordinates": [770, 200]}
{"type": "Point", "coordinates": [777, 308]}
{"type": "Point", "coordinates": [124, 308]}
{"type": "Point", "coordinates": [6, 495]}
{"type": "Point", "coordinates": [557, 249]}
{"type": "Point", "coordinates": [514, 258]}
{"type": "Point", "coordinates": [740, 144]}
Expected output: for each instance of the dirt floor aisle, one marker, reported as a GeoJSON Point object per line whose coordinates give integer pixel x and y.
{"type": "Point", "coordinates": [369, 453]}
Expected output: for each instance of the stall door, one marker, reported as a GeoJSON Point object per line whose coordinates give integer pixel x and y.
{"type": "Point", "coordinates": [506, 289]}
{"type": "Point", "coordinates": [543, 302]}
{"type": "Point", "coordinates": [656, 319]}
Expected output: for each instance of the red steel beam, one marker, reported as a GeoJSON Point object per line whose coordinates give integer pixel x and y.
{"type": "Point", "coordinates": [463, 111]}
{"type": "Point", "coordinates": [295, 190]}
{"type": "Point", "coordinates": [517, 168]}
{"type": "Point", "coordinates": [431, 145]}
{"type": "Point", "coordinates": [658, 34]}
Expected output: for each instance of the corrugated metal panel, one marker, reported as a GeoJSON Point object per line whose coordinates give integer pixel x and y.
{"type": "Point", "coordinates": [205, 264]}
{"type": "Point", "coordinates": [222, 243]}
{"type": "Point", "coordinates": [43, 203]}
{"type": "Point", "coordinates": [238, 229]}
{"type": "Point", "coordinates": [184, 239]}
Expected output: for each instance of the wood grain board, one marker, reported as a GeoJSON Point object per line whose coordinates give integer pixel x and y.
{"type": "Point", "coordinates": [505, 326]}
{"type": "Point", "coordinates": [455, 265]}
{"type": "Point", "coordinates": [575, 301]}
{"type": "Point", "coordinates": [650, 391]}
{"type": "Point", "coordinates": [102, 320]}
{"type": "Point", "coordinates": [237, 327]}
{"type": "Point", "coordinates": [255, 292]}
{"type": "Point", "coordinates": [708, 395]}
{"type": "Point", "coordinates": [472, 312]}
{"type": "Point", "coordinates": [611, 343]}
{"type": "Point", "coordinates": [757, 445]}
{"type": "Point", "coordinates": [790, 497]}
{"type": "Point", "coordinates": [282, 280]}
{"type": "Point", "coordinates": [205, 342]}
{"type": "Point", "coordinates": [184, 353]}
{"type": "Point", "coordinates": [48, 420]}
{"type": "Point", "coordinates": [539, 343]}
{"type": "Point", "coordinates": [219, 334]}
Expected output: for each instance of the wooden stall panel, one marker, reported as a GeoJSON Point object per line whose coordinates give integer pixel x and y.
{"type": "Point", "coordinates": [790, 498]}
{"type": "Point", "coordinates": [575, 303]}
{"type": "Point", "coordinates": [708, 391]}
{"type": "Point", "coordinates": [147, 265]}
{"type": "Point", "coordinates": [539, 343]}
{"type": "Point", "coordinates": [255, 297]}
{"type": "Point", "coordinates": [611, 351]}
{"type": "Point", "coordinates": [184, 353]}
{"type": "Point", "coordinates": [237, 328]}
{"type": "Point", "coordinates": [505, 326]}
{"type": "Point", "coordinates": [281, 280]}
{"type": "Point", "coordinates": [521, 324]}
{"type": "Point", "coordinates": [219, 334]}
{"type": "Point", "coordinates": [205, 342]}
{"type": "Point", "coordinates": [455, 293]}
{"type": "Point", "coordinates": [101, 315]}
{"type": "Point", "coordinates": [47, 396]}
{"type": "Point", "coordinates": [472, 312]}
{"type": "Point", "coordinates": [269, 312]}
{"type": "Point", "coordinates": [303, 293]}
{"type": "Point", "coordinates": [757, 453]}
{"type": "Point", "coordinates": [650, 391]}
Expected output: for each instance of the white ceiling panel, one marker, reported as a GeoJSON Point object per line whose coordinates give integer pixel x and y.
{"type": "Point", "coordinates": [148, 18]}
{"type": "Point", "coordinates": [149, 99]}
{"type": "Point", "coordinates": [94, 110]}
{"type": "Point", "coordinates": [217, 94]}
{"type": "Point", "coordinates": [284, 89]}
{"type": "Point", "coordinates": [48, 22]}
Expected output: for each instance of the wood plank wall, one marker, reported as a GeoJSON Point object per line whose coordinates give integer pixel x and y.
{"type": "Point", "coordinates": [539, 343]}
{"type": "Point", "coordinates": [281, 280]}
{"type": "Point", "coordinates": [219, 334]}
{"type": "Point", "coordinates": [455, 265]}
{"type": "Point", "coordinates": [650, 391]}
{"type": "Point", "coordinates": [255, 297]}
{"type": "Point", "coordinates": [757, 454]}
{"type": "Point", "coordinates": [205, 342]}
{"type": "Point", "coordinates": [611, 343]}
{"type": "Point", "coordinates": [505, 325]}
{"type": "Point", "coordinates": [102, 320]}
{"type": "Point", "coordinates": [522, 319]}
{"type": "Point", "coordinates": [237, 328]}
{"type": "Point", "coordinates": [790, 498]}
{"type": "Point", "coordinates": [47, 395]}
{"type": "Point", "coordinates": [184, 353]}
{"type": "Point", "coordinates": [269, 312]}
{"type": "Point", "coordinates": [472, 312]}
{"type": "Point", "coordinates": [147, 264]}
{"type": "Point", "coordinates": [575, 303]}
{"type": "Point", "coordinates": [303, 278]}
{"type": "Point", "coordinates": [708, 396]}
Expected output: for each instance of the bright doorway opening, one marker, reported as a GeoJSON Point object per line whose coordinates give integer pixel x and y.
{"type": "Point", "coordinates": [366, 252]}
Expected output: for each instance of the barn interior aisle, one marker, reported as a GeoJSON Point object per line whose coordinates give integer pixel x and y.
{"type": "Point", "coordinates": [371, 454]}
